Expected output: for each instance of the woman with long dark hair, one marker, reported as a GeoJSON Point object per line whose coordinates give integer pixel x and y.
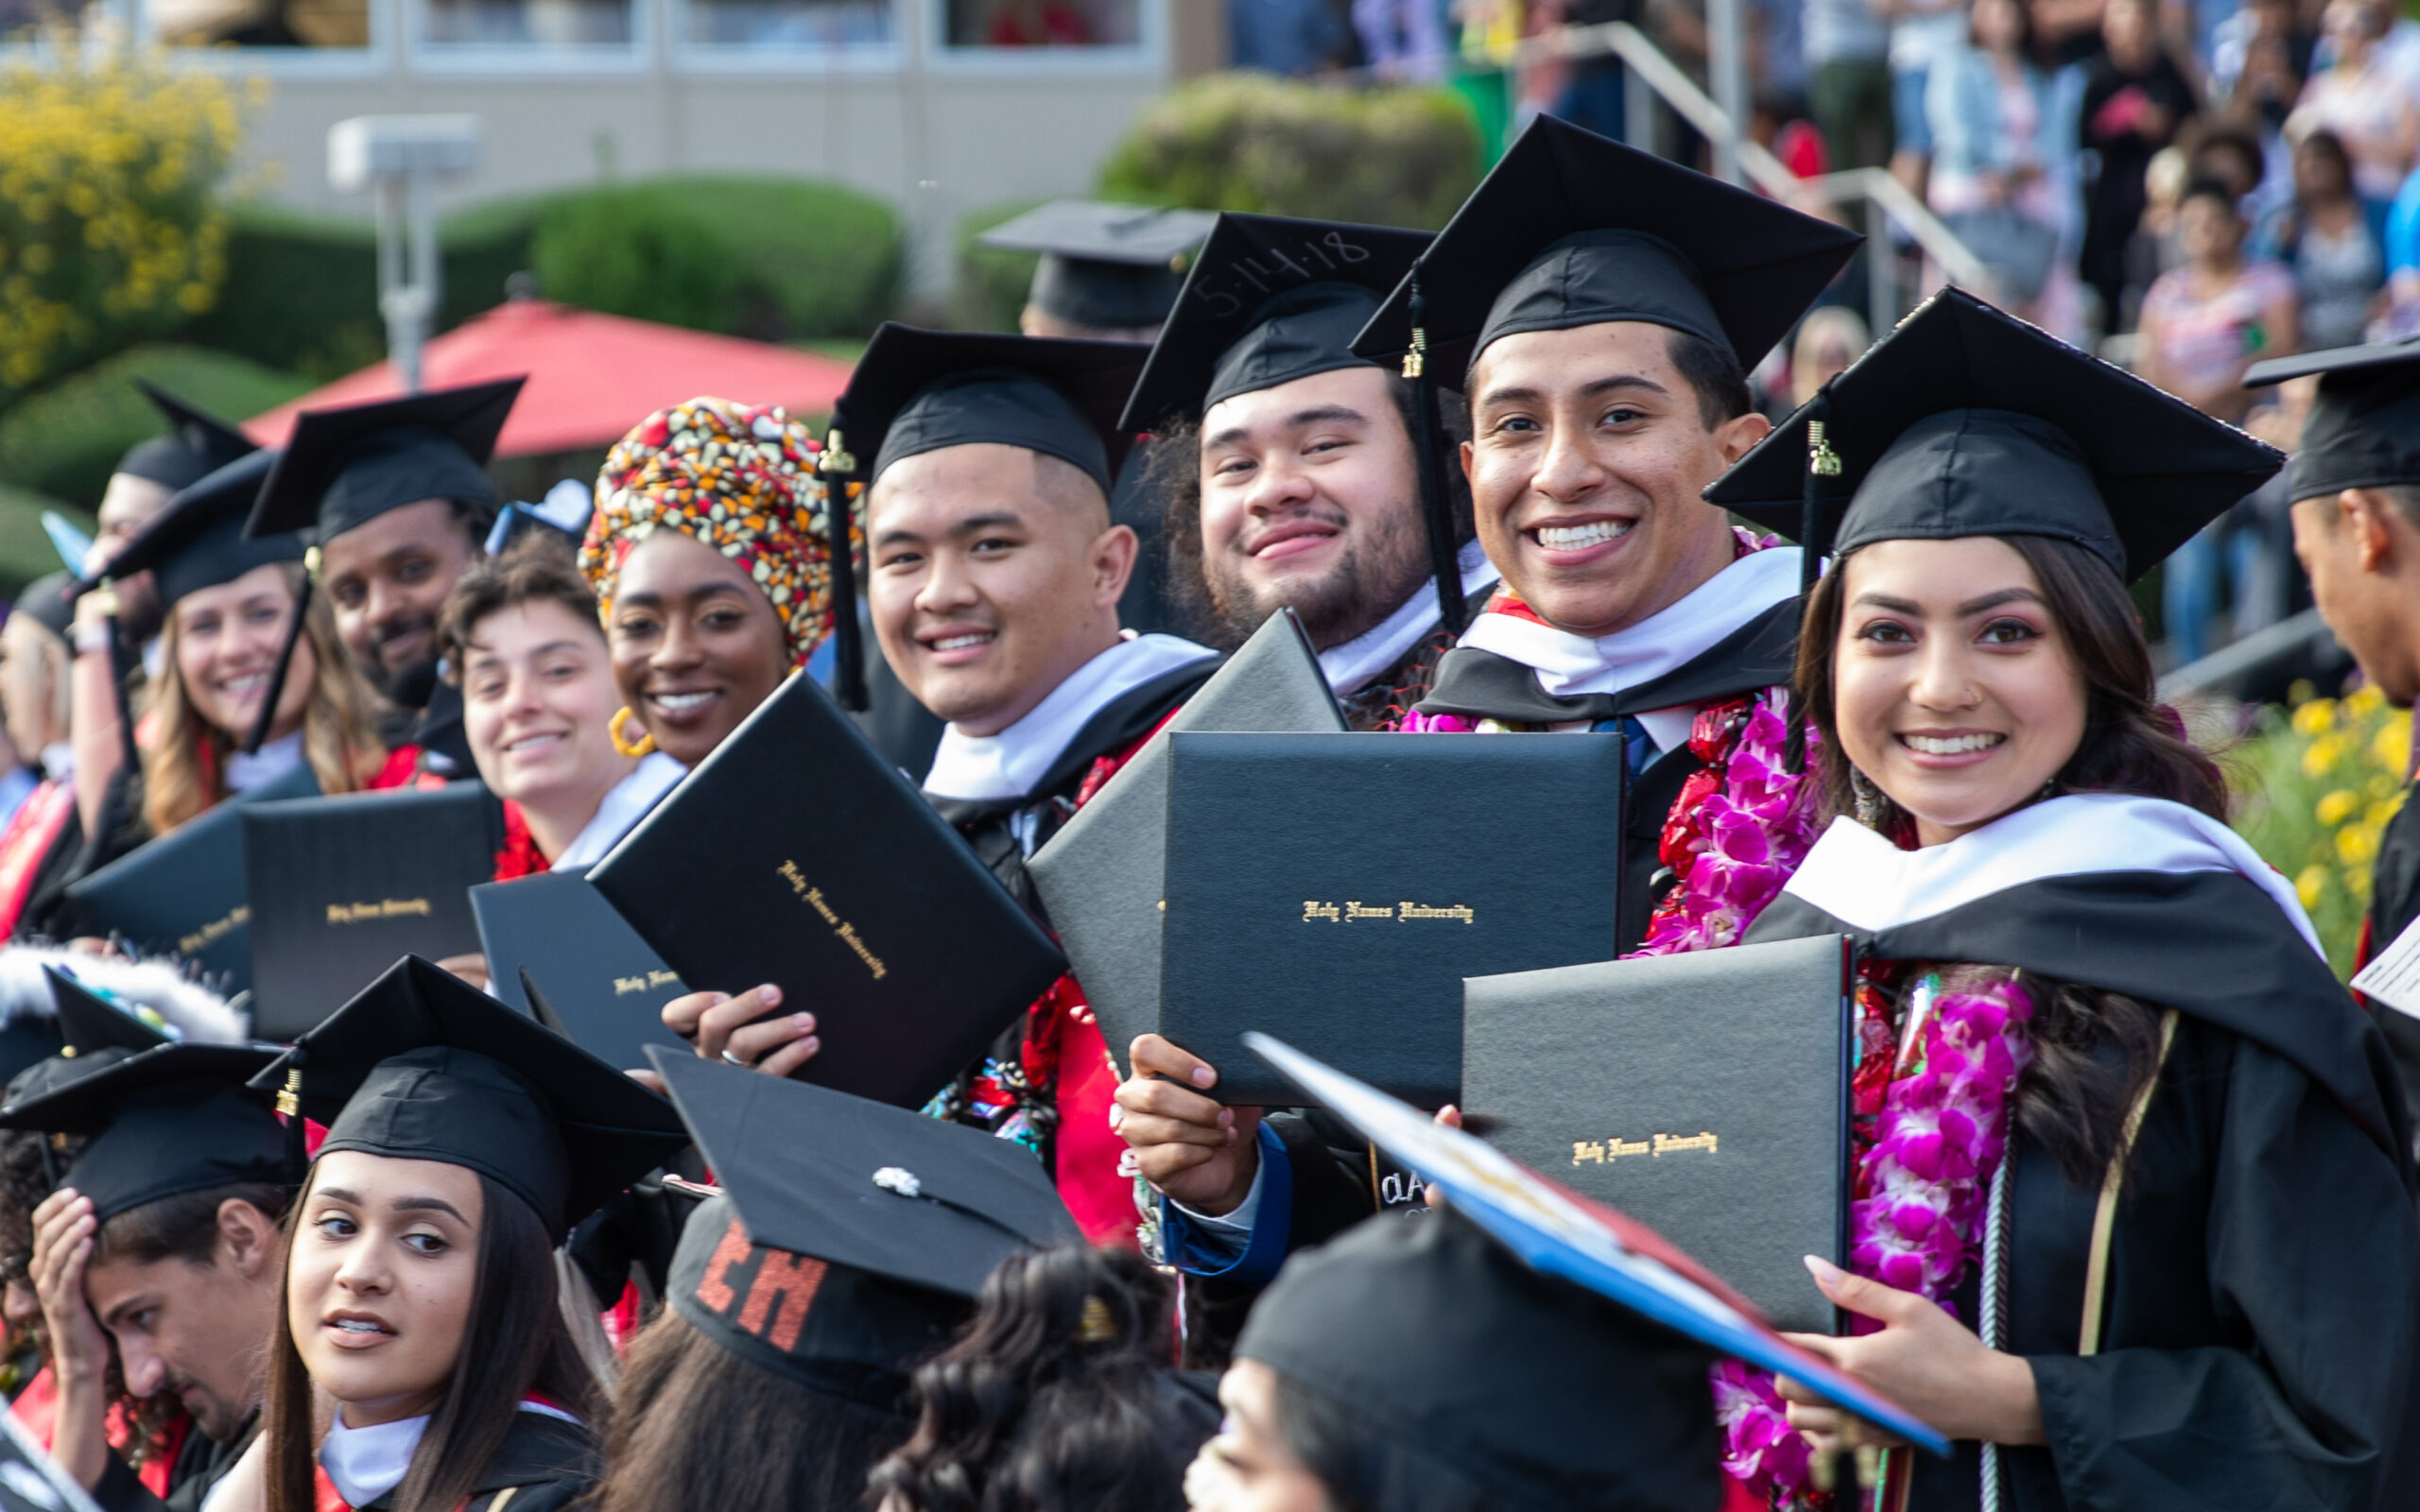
{"type": "Point", "coordinates": [2132, 1216]}
{"type": "Point", "coordinates": [422, 1290]}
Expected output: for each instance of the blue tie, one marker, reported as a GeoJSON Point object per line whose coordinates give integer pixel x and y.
{"type": "Point", "coordinates": [1637, 748]}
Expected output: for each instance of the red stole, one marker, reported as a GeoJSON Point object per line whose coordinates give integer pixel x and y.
{"type": "Point", "coordinates": [31, 831]}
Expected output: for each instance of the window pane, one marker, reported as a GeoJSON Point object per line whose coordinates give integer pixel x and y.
{"type": "Point", "coordinates": [1043, 22]}
{"type": "Point", "coordinates": [531, 23]}
{"type": "Point", "coordinates": [261, 23]}
{"type": "Point", "coordinates": [790, 23]}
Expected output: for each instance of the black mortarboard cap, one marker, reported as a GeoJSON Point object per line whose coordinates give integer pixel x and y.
{"type": "Point", "coordinates": [421, 1066]}
{"type": "Point", "coordinates": [1547, 1395]}
{"type": "Point", "coordinates": [1569, 229]}
{"type": "Point", "coordinates": [1968, 421]}
{"type": "Point", "coordinates": [916, 391]}
{"type": "Point", "coordinates": [1109, 267]}
{"type": "Point", "coordinates": [49, 601]}
{"type": "Point", "coordinates": [87, 1034]}
{"type": "Point", "coordinates": [853, 1236]}
{"type": "Point", "coordinates": [198, 542]}
{"type": "Point", "coordinates": [168, 1119]}
{"type": "Point", "coordinates": [198, 443]}
{"type": "Point", "coordinates": [1269, 300]}
{"type": "Point", "coordinates": [2363, 430]}
{"type": "Point", "coordinates": [344, 467]}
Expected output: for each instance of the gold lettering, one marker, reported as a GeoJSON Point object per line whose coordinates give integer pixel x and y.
{"type": "Point", "coordinates": [1407, 910]}
{"type": "Point", "coordinates": [1605, 1152]}
{"type": "Point", "coordinates": [1313, 911]}
{"type": "Point", "coordinates": [625, 986]}
{"type": "Point", "coordinates": [1615, 1149]}
{"type": "Point", "coordinates": [813, 897]}
{"type": "Point", "coordinates": [1696, 1141]}
{"type": "Point", "coordinates": [1316, 910]}
{"type": "Point", "coordinates": [215, 930]}
{"type": "Point", "coordinates": [384, 909]}
{"type": "Point", "coordinates": [661, 979]}
{"type": "Point", "coordinates": [1355, 909]}
{"type": "Point", "coordinates": [1590, 1152]}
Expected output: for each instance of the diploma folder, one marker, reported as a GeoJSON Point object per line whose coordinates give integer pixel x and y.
{"type": "Point", "coordinates": [1704, 1094]}
{"type": "Point", "coordinates": [343, 888]}
{"type": "Point", "coordinates": [1099, 877]}
{"type": "Point", "coordinates": [796, 855]}
{"type": "Point", "coordinates": [1336, 890]}
{"type": "Point", "coordinates": [184, 893]}
{"type": "Point", "coordinates": [606, 985]}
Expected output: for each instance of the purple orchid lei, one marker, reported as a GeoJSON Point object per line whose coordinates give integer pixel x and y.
{"type": "Point", "coordinates": [1923, 1185]}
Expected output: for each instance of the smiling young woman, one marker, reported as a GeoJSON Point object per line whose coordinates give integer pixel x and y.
{"type": "Point", "coordinates": [2112, 1105]}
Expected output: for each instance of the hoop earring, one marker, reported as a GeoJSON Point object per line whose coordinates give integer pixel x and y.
{"type": "Point", "coordinates": [641, 746]}
{"type": "Point", "coordinates": [1868, 798]}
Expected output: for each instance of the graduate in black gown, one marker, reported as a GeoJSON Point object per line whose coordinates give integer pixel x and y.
{"type": "Point", "coordinates": [2132, 1212]}
{"type": "Point", "coordinates": [396, 497]}
{"type": "Point", "coordinates": [1293, 467]}
{"type": "Point", "coordinates": [2355, 483]}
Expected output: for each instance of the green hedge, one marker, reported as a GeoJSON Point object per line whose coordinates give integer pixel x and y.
{"type": "Point", "coordinates": [1402, 156]}
{"type": "Point", "coordinates": [66, 440]}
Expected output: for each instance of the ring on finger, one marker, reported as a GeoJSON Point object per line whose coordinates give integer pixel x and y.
{"type": "Point", "coordinates": [744, 1065]}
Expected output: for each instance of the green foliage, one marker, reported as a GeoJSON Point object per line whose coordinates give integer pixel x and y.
{"type": "Point", "coordinates": [991, 281]}
{"type": "Point", "coordinates": [66, 440]}
{"type": "Point", "coordinates": [765, 257]}
{"type": "Point", "coordinates": [26, 551]}
{"type": "Point", "coordinates": [1401, 156]}
{"type": "Point", "coordinates": [2317, 788]}
{"type": "Point", "coordinates": [300, 295]}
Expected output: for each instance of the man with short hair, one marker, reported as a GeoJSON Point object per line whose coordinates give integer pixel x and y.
{"type": "Point", "coordinates": [397, 495]}
{"type": "Point", "coordinates": [1290, 464]}
{"type": "Point", "coordinates": [164, 1237]}
{"type": "Point", "coordinates": [2355, 486]}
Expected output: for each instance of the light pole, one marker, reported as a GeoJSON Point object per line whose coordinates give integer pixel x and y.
{"type": "Point", "coordinates": [400, 158]}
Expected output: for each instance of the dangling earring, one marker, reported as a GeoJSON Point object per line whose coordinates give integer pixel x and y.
{"type": "Point", "coordinates": [1868, 797]}
{"type": "Point", "coordinates": [640, 746]}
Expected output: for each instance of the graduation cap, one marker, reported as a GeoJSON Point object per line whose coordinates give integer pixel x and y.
{"type": "Point", "coordinates": [198, 542]}
{"type": "Point", "coordinates": [852, 1236]}
{"type": "Point", "coordinates": [198, 443]}
{"type": "Point", "coordinates": [2363, 430]}
{"type": "Point", "coordinates": [162, 1117]}
{"type": "Point", "coordinates": [1111, 267]}
{"type": "Point", "coordinates": [421, 1066]}
{"type": "Point", "coordinates": [343, 468]}
{"type": "Point", "coordinates": [1273, 300]}
{"type": "Point", "coordinates": [1968, 421]}
{"type": "Point", "coordinates": [1562, 1306]}
{"type": "Point", "coordinates": [49, 601]}
{"type": "Point", "coordinates": [916, 391]}
{"type": "Point", "coordinates": [1571, 230]}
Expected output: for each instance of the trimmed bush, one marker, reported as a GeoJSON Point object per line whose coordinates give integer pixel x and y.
{"type": "Point", "coordinates": [26, 552]}
{"type": "Point", "coordinates": [301, 294]}
{"type": "Point", "coordinates": [1402, 156]}
{"type": "Point", "coordinates": [108, 232]}
{"type": "Point", "coordinates": [66, 440]}
{"type": "Point", "coordinates": [771, 258]}
{"type": "Point", "coordinates": [991, 281]}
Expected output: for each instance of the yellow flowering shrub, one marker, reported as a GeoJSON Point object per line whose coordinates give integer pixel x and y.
{"type": "Point", "coordinates": [108, 231]}
{"type": "Point", "coordinates": [2316, 787]}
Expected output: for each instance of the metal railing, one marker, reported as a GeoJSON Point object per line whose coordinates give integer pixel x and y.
{"type": "Point", "coordinates": [1885, 201]}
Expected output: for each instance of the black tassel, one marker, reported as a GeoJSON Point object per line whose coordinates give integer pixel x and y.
{"type": "Point", "coordinates": [268, 716]}
{"type": "Point", "coordinates": [122, 664]}
{"type": "Point", "coordinates": [1436, 504]}
{"type": "Point", "coordinates": [839, 469]}
{"type": "Point", "coordinates": [1822, 462]}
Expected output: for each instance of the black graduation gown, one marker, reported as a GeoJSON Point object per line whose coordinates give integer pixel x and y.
{"type": "Point", "coordinates": [2394, 901]}
{"type": "Point", "coordinates": [2260, 1326]}
{"type": "Point", "coordinates": [42, 916]}
{"type": "Point", "coordinates": [437, 728]}
{"type": "Point", "coordinates": [1759, 654]}
{"type": "Point", "coordinates": [1380, 702]}
{"type": "Point", "coordinates": [200, 1464]}
{"type": "Point", "coordinates": [544, 1464]}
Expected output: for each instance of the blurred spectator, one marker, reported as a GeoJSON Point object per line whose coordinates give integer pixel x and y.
{"type": "Point", "coordinates": [2324, 236]}
{"type": "Point", "coordinates": [1402, 39]}
{"type": "Point", "coordinates": [1924, 34]}
{"type": "Point", "coordinates": [2260, 57]}
{"type": "Point", "coordinates": [1994, 136]}
{"type": "Point", "coordinates": [2203, 323]}
{"type": "Point", "coordinates": [1288, 38]}
{"type": "Point", "coordinates": [1831, 338]}
{"type": "Point", "coordinates": [2366, 102]}
{"type": "Point", "coordinates": [1848, 80]}
{"type": "Point", "coordinates": [1777, 50]}
{"type": "Point", "coordinates": [1592, 98]}
{"type": "Point", "coordinates": [2135, 97]}
{"type": "Point", "coordinates": [2402, 316]}
{"type": "Point", "coordinates": [2066, 31]}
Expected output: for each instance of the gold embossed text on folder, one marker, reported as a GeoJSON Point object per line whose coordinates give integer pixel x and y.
{"type": "Point", "coordinates": [813, 897]}
{"type": "Point", "coordinates": [1352, 910]}
{"type": "Point", "coordinates": [384, 909]}
{"type": "Point", "coordinates": [215, 930]}
{"type": "Point", "coordinates": [1605, 1152]}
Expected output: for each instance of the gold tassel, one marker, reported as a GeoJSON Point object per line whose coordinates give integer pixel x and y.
{"type": "Point", "coordinates": [1821, 459]}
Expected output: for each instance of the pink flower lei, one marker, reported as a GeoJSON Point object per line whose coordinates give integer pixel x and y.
{"type": "Point", "coordinates": [1931, 1128]}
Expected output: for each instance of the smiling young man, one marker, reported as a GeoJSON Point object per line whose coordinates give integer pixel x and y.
{"type": "Point", "coordinates": [2355, 488]}
{"type": "Point", "coordinates": [1289, 462]}
{"type": "Point", "coordinates": [398, 499]}
{"type": "Point", "coordinates": [165, 1239]}
{"type": "Point", "coordinates": [1600, 308]}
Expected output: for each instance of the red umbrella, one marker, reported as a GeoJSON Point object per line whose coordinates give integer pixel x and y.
{"type": "Point", "coordinates": [592, 376]}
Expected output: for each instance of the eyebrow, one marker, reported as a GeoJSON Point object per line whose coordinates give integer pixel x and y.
{"type": "Point", "coordinates": [1595, 389]}
{"type": "Point", "coordinates": [989, 520]}
{"type": "Point", "coordinates": [399, 1205]}
{"type": "Point", "coordinates": [1316, 415]}
{"type": "Point", "coordinates": [656, 600]}
{"type": "Point", "coordinates": [1972, 605]}
{"type": "Point", "coordinates": [566, 644]}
